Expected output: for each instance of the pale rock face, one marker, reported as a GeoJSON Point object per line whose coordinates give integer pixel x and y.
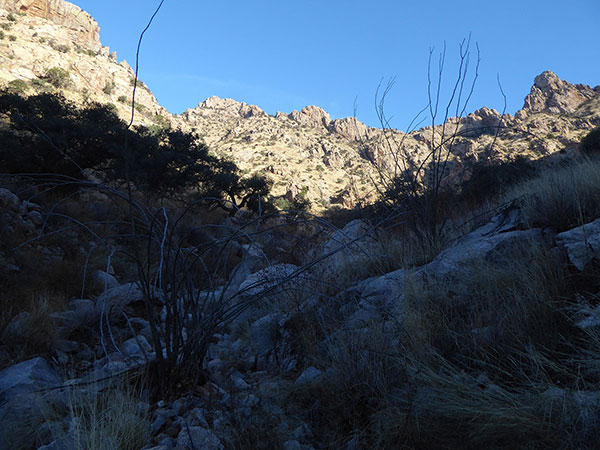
{"type": "Point", "coordinates": [311, 116]}
{"type": "Point", "coordinates": [550, 93]}
{"type": "Point", "coordinates": [350, 128]}
{"type": "Point", "coordinates": [82, 28]}
{"type": "Point", "coordinates": [230, 106]}
{"type": "Point", "coordinates": [484, 118]}
{"type": "Point", "coordinates": [582, 244]}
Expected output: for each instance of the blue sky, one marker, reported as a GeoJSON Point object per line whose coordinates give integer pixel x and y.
{"type": "Point", "coordinates": [283, 55]}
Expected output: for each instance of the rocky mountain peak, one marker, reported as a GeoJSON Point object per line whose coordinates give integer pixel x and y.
{"type": "Point", "coordinates": [82, 28]}
{"type": "Point", "coordinates": [551, 94]}
{"type": "Point", "coordinates": [227, 105]}
{"type": "Point", "coordinates": [349, 128]}
{"type": "Point", "coordinates": [311, 116]}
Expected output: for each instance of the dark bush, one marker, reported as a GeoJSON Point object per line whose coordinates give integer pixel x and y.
{"type": "Point", "coordinates": [590, 144]}
{"type": "Point", "coordinates": [489, 180]}
{"type": "Point", "coordinates": [57, 137]}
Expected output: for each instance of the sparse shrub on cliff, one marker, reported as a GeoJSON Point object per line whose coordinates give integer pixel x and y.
{"type": "Point", "coordinates": [109, 87]}
{"type": "Point", "coordinates": [62, 48]}
{"type": "Point", "coordinates": [1, 35]}
{"type": "Point", "coordinates": [122, 99]}
{"type": "Point", "coordinates": [140, 108]}
{"type": "Point", "coordinates": [39, 85]}
{"type": "Point", "coordinates": [11, 17]}
{"type": "Point", "coordinates": [12, 38]}
{"type": "Point", "coordinates": [57, 77]}
{"type": "Point", "coordinates": [161, 121]}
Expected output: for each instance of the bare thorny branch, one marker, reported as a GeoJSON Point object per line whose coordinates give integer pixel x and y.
{"type": "Point", "coordinates": [417, 186]}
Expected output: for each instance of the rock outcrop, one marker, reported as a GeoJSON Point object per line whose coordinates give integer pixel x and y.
{"type": "Point", "coordinates": [349, 128]}
{"type": "Point", "coordinates": [550, 93]}
{"type": "Point", "coordinates": [227, 105]}
{"type": "Point", "coordinates": [82, 28]}
{"type": "Point", "coordinates": [311, 116]}
{"type": "Point", "coordinates": [53, 34]}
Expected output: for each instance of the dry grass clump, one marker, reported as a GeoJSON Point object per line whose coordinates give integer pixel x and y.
{"type": "Point", "coordinates": [504, 306]}
{"type": "Point", "coordinates": [112, 419]}
{"type": "Point", "coordinates": [562, 197]}
{"type": "Point", "coordinates": [468, 365]}
{"type": "Point", "coordinates": [258, 430]}
{"type": "Point", "coordinates": [29, 333]}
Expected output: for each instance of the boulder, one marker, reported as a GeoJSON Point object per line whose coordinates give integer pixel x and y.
{"type": "Point", "coordinates": [8, 200]}
{"type": "Point", "coordinates": [480, 247]}
{"type": "Point", "coordinates": [137, 346]}
{"type": "Point", "coordinates": [264, 334]}
{"type": "Point", "coordinates": [253, 260]}
{"type": "Point", "coordinates": [115, 299]}
{"type": "Point", "coordinates": [26, 396]}
{"type": "Point", "coordinates": [377, 295]}
{"type": "Point", "coordinates": [582, 244]}
{"type": "Point", "coordinates": [199, 438]}
{"type": "Point", "coordinates": [100, 280]}
{"type": "Point", "coordinates": [309, 376]}
{"type": "Point", "coordinates": [347, 247]}
{"type": "Point", "coordinates": [270, 279]}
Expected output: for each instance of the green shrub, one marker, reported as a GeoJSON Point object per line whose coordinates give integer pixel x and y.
{"type": "Point", "coordinates": [109, 87]}
{"type": "Point", "coordinates": [590, 144]}
{"type": "Point", "coordinates": [1, 35]}
{"type": "Point", "coordinates": [57, 77]}
{"type": "Point", "coordinates": [283, 204]}
{"type": "Point", "coordinates": [11, 17]}
{"type": "Point", "coordinates": [12, 38]}
{"type": "Point", "coordinates": [38, 85]}
{"type": "Point", "coordinates": [18, 86]}
{"type": "Point", "coordinates": [161, 121]}
{"type": "Point", "coordinates": [112, 108]}
{"type": "Point", "coordinates": [122, 99]}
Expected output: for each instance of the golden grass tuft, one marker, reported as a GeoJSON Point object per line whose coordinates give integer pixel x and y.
{"type": "Point", "coordinates": [561, 197]}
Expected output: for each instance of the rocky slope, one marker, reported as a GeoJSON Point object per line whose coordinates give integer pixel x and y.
{"type": "Point", "coordinates": [332, 162]}
{"type": "Point", "coordinates": [337, 159]}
